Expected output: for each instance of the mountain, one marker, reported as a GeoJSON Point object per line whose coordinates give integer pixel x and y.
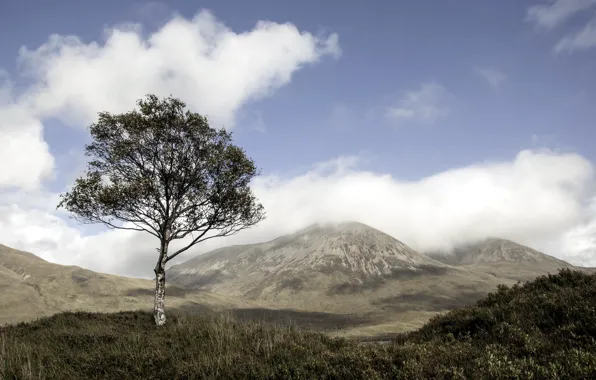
{"type": "Point", "coordinates": [495, 250]}
{"type": "Point", "coordinates": [319, 257]}
{"type": "Point", "coordinates": [354, 269]}
{"type": "Point", "coordinates": [503, 259]}
{"type": "Point", "coordinates": [32, 287]}
{"type": "Point", "coordinates": [349, 278]}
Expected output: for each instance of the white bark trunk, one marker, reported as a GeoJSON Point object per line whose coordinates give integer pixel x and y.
{"type": "Point", "coordinates": [159, 313]}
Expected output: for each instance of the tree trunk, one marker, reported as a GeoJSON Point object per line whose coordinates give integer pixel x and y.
{"type": "Point", "coordinates": [159, 313]}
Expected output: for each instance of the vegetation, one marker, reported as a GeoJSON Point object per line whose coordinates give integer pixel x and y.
{"type": "Point", "coordinates": [544, 329]}
{"type": "Point", "coordinates": [164, 170]}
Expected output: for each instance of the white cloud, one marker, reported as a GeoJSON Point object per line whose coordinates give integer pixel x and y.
{"type": "Point", "coordinates": [579, 243]}
{"type": "Point", "coordinates": [582, 40]}
{"type": "Point", "coordinates": [21, 135]}
{"type": "Point", "coordinates": [426, 104]}
{"type": "Point", "coordinates": [536, 199]}
{"type": "Point", "coordinates": [39, 231]}
{"type": "Point", "coordinates": [550, 15]}
{"type": "Point", "coordinates": [493, 76]}
{"type": "Point", "coordinates": [212, 68]}
{"type": "Point", "coordinates": [25, 158]}
{"type": "Point", "coordinates": [203, 62]}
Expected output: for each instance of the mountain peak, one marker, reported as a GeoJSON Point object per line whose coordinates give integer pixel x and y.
{"type": "Point", "coordinates": [348, 251]}
{"type": "Point", "coordinates": [494, 250]}
{"type": "Point", "coordinates": [341, 227]}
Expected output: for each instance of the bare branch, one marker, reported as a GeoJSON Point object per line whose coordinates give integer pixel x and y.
{"type": "Point", "coordinates": [113, 226]}
{"type": "Point", "coordinates": [199, 240]}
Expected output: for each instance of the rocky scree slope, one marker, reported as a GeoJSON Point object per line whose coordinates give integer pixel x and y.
{"type": "Point", "coordinates": [315, 258]}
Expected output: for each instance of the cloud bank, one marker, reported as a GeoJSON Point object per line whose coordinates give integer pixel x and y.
{"type": "Point", "coordinates": [537, 198]}
{"type": "Point", "coordinates": [214, 69]}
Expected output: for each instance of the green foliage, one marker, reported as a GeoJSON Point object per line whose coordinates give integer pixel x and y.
{"type": "Point", "coordinates": [544, 329]}
{"type": "Point", "coordinates": [164, 170]}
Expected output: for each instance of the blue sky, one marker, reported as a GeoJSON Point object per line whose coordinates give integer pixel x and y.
{"type": "Point", "coordinates": [410, 93]}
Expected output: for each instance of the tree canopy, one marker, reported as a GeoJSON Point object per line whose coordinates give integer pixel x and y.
{"type": "Point", "coordinates": [163, 170]}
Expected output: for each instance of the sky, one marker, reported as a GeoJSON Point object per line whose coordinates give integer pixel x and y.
{"type": "Point", "coordinates": [438, 122]}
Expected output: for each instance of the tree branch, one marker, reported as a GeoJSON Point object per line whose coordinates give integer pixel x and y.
{"type": "Point", "coordinates": [111, 225]}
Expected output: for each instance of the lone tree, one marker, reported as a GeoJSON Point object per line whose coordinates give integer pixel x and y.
{"type": "Point", "coordinates": [163, 170]}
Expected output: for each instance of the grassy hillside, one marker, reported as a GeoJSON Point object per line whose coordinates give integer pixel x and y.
{"type": "Point", "coordinates": [544, 329]}
{"type": "Point", "coordinates": [32, 287]}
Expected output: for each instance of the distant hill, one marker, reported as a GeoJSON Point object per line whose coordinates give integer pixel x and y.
{"type": "Point", "coordinates": [503, 259]}
{"type": "Point", "coordinates": [32, 287]}
{"type": "Point", "coordinates": [495, 250]}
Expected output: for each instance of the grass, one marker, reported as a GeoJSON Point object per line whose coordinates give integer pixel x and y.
{"type": "Point", "coordinates": [543, 329]}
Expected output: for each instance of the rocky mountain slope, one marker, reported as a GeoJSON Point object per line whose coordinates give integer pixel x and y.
{"type": "Point", "coordinates": [495, 250]}
{"type": "Point", "coordinates": [503, 259]}
{"type": "Point", "coordinates": [331, 256]}
{"type": "Point", "coordinates": [354, 268]}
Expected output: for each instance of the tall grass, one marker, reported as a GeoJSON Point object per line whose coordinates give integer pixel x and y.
{"type": "Point", "coordinates": [544, 329]}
